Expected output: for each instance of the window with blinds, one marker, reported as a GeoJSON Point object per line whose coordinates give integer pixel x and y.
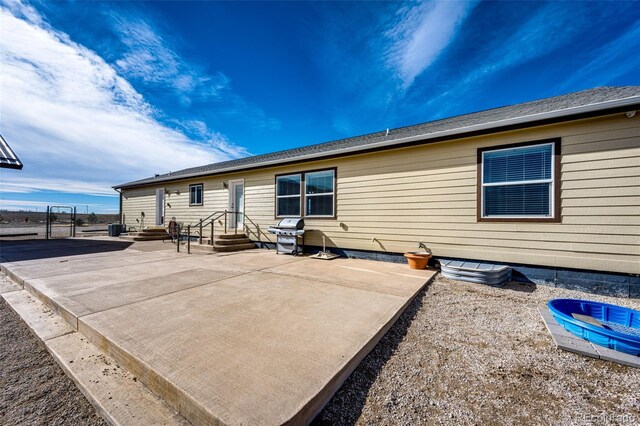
{"type": "Point", "coordinates": [306, 194]}
{"type": "Point", "coordinates": [195, 195]}
{"type": "Point", "coordinates": [288, 195]}
{"type": "Point", "coordinates": [518, 182]}
{"type": "Point", "coordinates": [319, 193]}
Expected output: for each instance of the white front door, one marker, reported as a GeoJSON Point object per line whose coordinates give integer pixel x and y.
{"type": "Point", "coordinates": [159, 206]}
{"type": "Point", "coordinates": [236, 204]}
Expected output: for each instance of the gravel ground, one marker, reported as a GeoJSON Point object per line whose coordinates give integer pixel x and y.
{"type": "Point", "coordinates": [473, 354]}
{"type": "Point", "coordinates": [35, 391]}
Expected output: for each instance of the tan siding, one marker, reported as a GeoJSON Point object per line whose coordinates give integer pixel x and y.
{"type": "Point", "coordinates": [613, 154]}
{"type": "Point", "coordinates": [138, 207]}
{"type": "Point", "coordinates": [603, 164]}
{"type": "Point", "coordinates": [428, 193]}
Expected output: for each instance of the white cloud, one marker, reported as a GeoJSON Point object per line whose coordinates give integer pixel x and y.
{"type": "Point", "coordinates": [421, 32]}
{"type": "Point", "coordinates": [15, 183]}
{"type": "Point", "coordinates": [75, 122]}
{"type": "Point", "coordinates": [151, 58]}
{"type": "Point", "coordinates": [612, 60]}
{"type": "Point", "coordinates": [16, 205]}
{"type": "Point", "coordinates": [21, 10]}
{"type": "Point", "coordinates": [148, 57]}
{"type": "Point", "coordinates": [551, 27]}
{"type": "Point", "coordinates": [6, 204]}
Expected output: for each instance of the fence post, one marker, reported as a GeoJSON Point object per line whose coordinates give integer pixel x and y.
{"type": "Point", "coordinates": [212, 222]}
{"type": "Point", "coordinates": [46, 229]}
{"type": "Point", "coordinates": [73, 223]}
{"type": "Point", "coordinates": [200, 232]}
{"type": "Point", "coordinates": [188, 239]}
{"type": "Point", "coordinates": [225, 221]}
{"type": "Point", "coordinates": [178, 238]}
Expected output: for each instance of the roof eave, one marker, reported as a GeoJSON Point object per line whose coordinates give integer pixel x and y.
{"type": "Point", "coordinates": [567, 113]}
{"type": "Point", "coordinates": [11, 166]}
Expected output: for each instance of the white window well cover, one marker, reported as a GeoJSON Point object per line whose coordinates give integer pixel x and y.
{"type": "Point", "coordinates": [518, 182]}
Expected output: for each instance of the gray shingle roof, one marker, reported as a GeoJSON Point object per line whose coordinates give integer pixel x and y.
{"type": "Point", "coordinates": [489, 119]}
{"type": "Point", "coordinates": [8, 158]}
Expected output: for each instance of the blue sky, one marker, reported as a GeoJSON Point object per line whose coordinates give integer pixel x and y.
{"type": "Point", "coordinates": [94, 94]}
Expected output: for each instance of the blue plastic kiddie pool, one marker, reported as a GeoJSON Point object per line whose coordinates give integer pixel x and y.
{"type": "Point", "coordinates": [610, 326]}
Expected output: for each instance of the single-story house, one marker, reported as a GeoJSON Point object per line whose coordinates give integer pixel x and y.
{"type": "Point", "coordinates": [551, 187]}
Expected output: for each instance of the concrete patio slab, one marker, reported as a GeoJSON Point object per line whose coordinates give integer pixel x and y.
{"type": "Point", "coordinates": [277, 342]}
{"type": "Point", "coordinates": [75, 295]}
{"type": "Point", "coordinates": [389, 278]}
{"type": "Point", "coordinates": [240, 338]}
{"type": "Point", "coordinates": [257, 259]}
{"type": "Point", "coordinates": [40, 268]}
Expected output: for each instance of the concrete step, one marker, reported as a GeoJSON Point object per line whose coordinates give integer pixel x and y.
{"type": "Point", "coordinates": [230, 241]}
{"type": "Point", "coordinates": [147, 233]}
{"type": "Point", "coordinates": [223, 248]}
{"type": "Point", "coordinates": [143, 237]}
{"type": "Point", "coordinates": [235, 247]}
{"type": "Point", "coordinates": [228, 236]}
{"type": "Point", "coordinates": [200, 247]}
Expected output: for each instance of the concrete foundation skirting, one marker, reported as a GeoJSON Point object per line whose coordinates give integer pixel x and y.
{"type": "Point", "coordinates": [596, 282]}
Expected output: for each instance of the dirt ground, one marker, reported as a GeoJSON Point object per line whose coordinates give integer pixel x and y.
{"type": "Point", "coordinates": [472, 354]}
{"type": "Point", "coordinates": [35, 391]}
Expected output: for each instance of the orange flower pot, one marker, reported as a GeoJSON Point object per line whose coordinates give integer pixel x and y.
{"type": "Point", "coordinates": [417, 259]}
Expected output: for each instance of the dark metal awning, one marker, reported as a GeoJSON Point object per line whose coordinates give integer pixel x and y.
{"type": "Point", "coordinates": [8, 158]}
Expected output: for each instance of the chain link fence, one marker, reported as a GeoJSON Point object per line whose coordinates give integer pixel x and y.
{"type": "Point", "coordinates": [62, 222]}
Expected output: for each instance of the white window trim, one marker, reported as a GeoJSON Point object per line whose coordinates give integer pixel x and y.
{"type": "Point", "coordinates": [332, 193]}
{"type": "Point", "coordinates": [289, 196]}
{"type": "Point", "coordinates": [195, 192]}
{"type": "Point", "coordinates": [552, 185]}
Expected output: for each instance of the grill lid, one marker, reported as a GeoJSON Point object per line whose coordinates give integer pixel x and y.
{"type": "Point", "coordinates": [291, 223]}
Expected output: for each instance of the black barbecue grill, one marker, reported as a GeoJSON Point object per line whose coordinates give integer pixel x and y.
{"type": "Point", "coordinates": [288, 231]}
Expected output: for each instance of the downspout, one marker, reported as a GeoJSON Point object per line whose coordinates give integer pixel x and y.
{"type": "Point", "coordinates": [119, 191]}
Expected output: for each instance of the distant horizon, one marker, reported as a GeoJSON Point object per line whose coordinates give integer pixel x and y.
{"type": "Point", "coordinates": [78, 212]}
{"type": "Point", "coordinates": [100, 93]}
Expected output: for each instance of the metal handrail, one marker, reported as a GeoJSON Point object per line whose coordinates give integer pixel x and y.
{"type": "Point", "coordinates": [219, 212]}
{"type": "Point", "coordinates": [201, 224]}
{"type": "Point", "coordinates": [257, 234]}
{"type": "Point", "coordinates": [210, 221]}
